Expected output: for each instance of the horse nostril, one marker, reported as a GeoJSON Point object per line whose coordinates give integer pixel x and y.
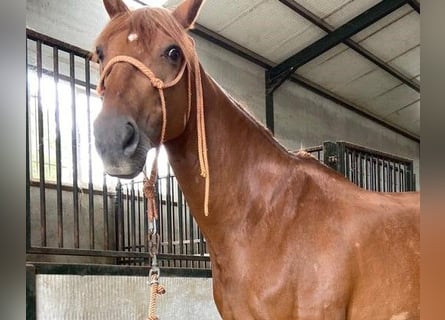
{"type": "Point", "coordinates": [129, 138]}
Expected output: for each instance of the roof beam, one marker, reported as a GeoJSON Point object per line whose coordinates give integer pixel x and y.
{"type": "Point", "coordinates": [415, 5]}
{"type": "Point", "coordinates": [302, 11]}
{"type": "Point", "coordinates": [282, 71]}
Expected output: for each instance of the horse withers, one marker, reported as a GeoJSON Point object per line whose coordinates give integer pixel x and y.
{"type": "Point", "coordinates": [288, 237]}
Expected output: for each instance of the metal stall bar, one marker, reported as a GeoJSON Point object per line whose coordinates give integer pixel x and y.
{"type": "Point", "coordinates": [119, 218]}
{"type": "Point", "coordinates": [145, 203]}
{"type": "Point", "coordinates": [105, 213]}
{"type": "Point", "coordinates": [127, 222]}
{"type": "Point", "coordinates": [74, 151]}
{"type": "Point", "coordinates": [90, 166]}
{"type": "Point", "coordinates": [140, 221]}
{"type": "Point", "coordinates": [175, 218]}
{"type": "Point", "coordinates": [132, 215]}
{"type": "Point", "coordinates": [27, 172]}
{"type": "Point", "coordinates": [169, 212]}
{"type": "Point", "coordinates": [59, 201]}
{"type": "Point", "coordinates": [41, 146]}
{"type": "Point", "coordinates": [181, 221]}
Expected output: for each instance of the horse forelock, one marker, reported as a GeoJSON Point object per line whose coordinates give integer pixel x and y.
{"type": "Point", "coordinates": [145, 22]}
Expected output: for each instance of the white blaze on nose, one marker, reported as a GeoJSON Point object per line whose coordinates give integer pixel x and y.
{"type": "Point", "coordinates": [132, 37]}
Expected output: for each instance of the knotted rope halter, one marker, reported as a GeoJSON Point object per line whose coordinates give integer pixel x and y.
{"type": "Point", "coordinates": [160, 85]}
{"type": "Point", "coordinates": [149, 183]}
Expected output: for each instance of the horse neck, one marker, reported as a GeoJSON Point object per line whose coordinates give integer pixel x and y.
{"type": "Point", "coordinates": [239, 149]}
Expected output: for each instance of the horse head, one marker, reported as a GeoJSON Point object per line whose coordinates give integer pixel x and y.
{"type": "Point", "coordinates": [144, 89]}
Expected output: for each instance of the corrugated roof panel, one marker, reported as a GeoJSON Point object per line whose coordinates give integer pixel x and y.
{"type": "Point", "coordinates": [338, 69]}
{"type": "Point", "coordinates": [325, 56]}
{"type": "Point", "coordinates": [408, 63]}
{"type": "Point", "coordinates": [363, 89]}
{"type": "Point", "coordinates": [396, 38]}
{"type": "Point", "coordinates": [382, 23]}
{"type": "Point", "coordinates": [289, 47]}
{"type": "Point", "coordinates": [322, 8]}
{"type": "Point", "coordinates": [349, 11]}
{"type": "Point", "coordinates": [218, 14]}
{"type": "Point", "coordinates": [266, 27]}
{"type": "Point", "coordinates": [408, 117]}
{"type": "Point", "coordinates": [394, 99]}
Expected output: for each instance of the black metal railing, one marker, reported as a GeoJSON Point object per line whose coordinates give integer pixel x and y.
{"type": "Point", "coordinates": [180, 236]}
{"type": "Point", "coordinates": [368, 168]}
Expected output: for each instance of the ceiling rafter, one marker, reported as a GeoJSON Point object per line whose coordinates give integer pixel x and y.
{"type": "Point", "coordinates": [308, 15]}
{"type": "Point", "coordinates": [415, 5]}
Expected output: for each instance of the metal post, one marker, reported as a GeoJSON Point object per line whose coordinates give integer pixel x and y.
{"type": "Point", "coordinates": [58, 150]}
{"type": "Point", "coordinates": [330, 154]}
{"type": "Point", "coordinates": [105, 213]}
{"type": "Point", "coordinates": [41, 148]}
{"type": "Point", "coordinates": [90, 166]}
{"type": "Point", "coordinates": [31, 308]}
{"type": "Point", "coordinates": [269, 103]}
{"type": "Point", "coordinates": [118, 216]}
{"type": "Point", "coordinates": [28, 163]}
{"type": "Point", "coordinates": [74, 150]}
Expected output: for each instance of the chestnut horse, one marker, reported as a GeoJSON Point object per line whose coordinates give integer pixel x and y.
{"type": "Point", "coordinates": [288, 237]}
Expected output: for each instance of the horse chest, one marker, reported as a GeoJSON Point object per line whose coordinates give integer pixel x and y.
{"type": "Point", "coordinates": [268, 291]}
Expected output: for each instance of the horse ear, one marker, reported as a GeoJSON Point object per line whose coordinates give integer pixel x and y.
{"type": "Point", "coordinates": [187, 12]}
{"type": "Point", "coordinates": [114, 7]}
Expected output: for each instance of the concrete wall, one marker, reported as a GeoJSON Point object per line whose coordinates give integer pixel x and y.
{"type": "Point", "coordinates": [72, 297]}
{"type": "Point", "coordinates": [304, 119]}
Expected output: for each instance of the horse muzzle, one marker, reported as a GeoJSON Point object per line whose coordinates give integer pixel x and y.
{"type": "Point", "coordinates": [120, 145]}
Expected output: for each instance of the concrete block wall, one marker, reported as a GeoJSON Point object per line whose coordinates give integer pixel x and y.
{"type": "Point", "coordinates": [72, 297]}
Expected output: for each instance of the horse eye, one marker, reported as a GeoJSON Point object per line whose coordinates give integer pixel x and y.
{"type": "Point", "coordinates": [173, 53]}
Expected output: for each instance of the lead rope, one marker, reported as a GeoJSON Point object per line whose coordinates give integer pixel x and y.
{"type": "Point", "coordinates": [153, 239]}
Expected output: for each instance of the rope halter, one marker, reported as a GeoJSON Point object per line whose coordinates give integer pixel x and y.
{"type": "Point", "coordinates": [160, 86]}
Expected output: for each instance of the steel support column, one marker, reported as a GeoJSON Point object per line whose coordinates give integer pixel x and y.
{"type": "Point", "coordinates": [269, 105]}
{"type": "Point", "coordinates": [31, 307]}
{"type": "Point", "coordinates": [415, 5]}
